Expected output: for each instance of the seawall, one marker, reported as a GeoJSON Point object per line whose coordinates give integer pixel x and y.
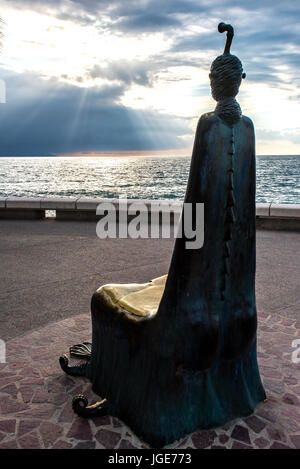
{"type": "Point", "coordinates": [268, 216]}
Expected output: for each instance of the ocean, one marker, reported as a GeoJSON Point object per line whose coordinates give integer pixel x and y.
{"type": "Point", "coordinates": [137, 177]}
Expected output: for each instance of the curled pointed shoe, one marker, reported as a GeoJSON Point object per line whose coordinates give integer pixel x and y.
{"type": "Point", "coordinates": [78, 370]}
{"type": "Point", "coordinates": [83, 350]}
{"type": "Point", "coordinates": [82, 409]}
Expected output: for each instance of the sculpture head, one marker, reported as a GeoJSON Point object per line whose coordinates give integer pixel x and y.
{"type": "Point", "coordinates": [226, 71]}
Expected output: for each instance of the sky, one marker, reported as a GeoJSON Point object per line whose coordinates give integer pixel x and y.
{"type": "Point", "coordinates": [106, 77]}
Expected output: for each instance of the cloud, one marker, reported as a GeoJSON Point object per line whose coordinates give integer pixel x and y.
{"type": "Point", "coordinates": [145, 22]}
{"type": "Point", "coordinates": [291, 135]}
{"type": "Point", "coordinates": [267, 38]}
{"type": "Point", "coordinates": [195, 42]}
{"type": "Point", "coordinates": [44, 117]}
{"type": "Point", "coordinates": [126, 71]}
{"type": "Point", "coordinates": [264, 47]}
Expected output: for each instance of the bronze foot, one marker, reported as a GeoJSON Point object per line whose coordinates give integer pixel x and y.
{"type": "Point", "coordinates": [81, 408]}
{"type": "Point", "coordinates": [83, 350]}
{"type": "Point", "coordinates": [78, 370]}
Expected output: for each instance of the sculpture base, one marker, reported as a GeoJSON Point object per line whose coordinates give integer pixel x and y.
{"type": "Point", "coordinates": [159, 412]}
{"type": "Point", "coordinates": [198, 401]}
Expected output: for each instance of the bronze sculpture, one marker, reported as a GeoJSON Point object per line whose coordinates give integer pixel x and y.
{"type": "Point", "coordinates": [190, 360]}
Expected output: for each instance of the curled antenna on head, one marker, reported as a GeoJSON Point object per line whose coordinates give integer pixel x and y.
{"type": "Point", "coordinates": [230, 33]}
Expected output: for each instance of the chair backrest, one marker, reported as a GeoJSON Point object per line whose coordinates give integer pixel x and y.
{"type": "Point", "coordinates": [209, 296]}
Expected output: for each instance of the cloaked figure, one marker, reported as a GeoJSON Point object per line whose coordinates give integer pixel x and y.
{"type": "Point", "coordinates": [179, 353]}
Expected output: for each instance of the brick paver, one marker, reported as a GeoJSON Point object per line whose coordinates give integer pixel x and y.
{"type": "Point", "coordinates": [35, 396]}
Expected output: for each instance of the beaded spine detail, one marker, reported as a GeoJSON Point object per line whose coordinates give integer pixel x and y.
{"type": "Point", "coordinates": [229, 218]}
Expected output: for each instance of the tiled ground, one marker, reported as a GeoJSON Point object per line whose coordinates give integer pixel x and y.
{"type": "Point", "coordinates": [35, 396]}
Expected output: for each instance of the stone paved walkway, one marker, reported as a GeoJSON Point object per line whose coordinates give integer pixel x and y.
{"type": "Point", "coordinates": [50, 270]}
{"type": "Point", "coordinates": [35, 395]}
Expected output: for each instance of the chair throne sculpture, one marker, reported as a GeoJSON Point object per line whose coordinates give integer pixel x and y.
{"type": "Point", "coordinates": [179, 353]}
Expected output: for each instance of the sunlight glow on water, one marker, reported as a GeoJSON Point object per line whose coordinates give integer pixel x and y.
{"type": "Point", "coordinates": [138, 177]}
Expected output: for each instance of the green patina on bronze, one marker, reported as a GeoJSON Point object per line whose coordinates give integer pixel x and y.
{"type": "Point", "coordinates": [193, 364]}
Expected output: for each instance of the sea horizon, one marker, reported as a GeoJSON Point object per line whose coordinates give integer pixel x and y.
{"type": "Point", "coordinates": [133, 176]}
{"type": "Point", "coordinates": [129, 154]}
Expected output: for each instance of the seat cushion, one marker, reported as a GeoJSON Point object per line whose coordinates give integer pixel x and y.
{"type": "Point", "coordinates": [141, 299]}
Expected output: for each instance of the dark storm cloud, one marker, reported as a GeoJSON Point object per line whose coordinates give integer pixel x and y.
{"type": "Point", "coordinates": [44, 117]}
{"type": "Point", "coordinates": [267, 37]}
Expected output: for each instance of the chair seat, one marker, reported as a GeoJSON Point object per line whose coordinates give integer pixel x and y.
{"type": "Point", "coordinates": [140, 299]}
